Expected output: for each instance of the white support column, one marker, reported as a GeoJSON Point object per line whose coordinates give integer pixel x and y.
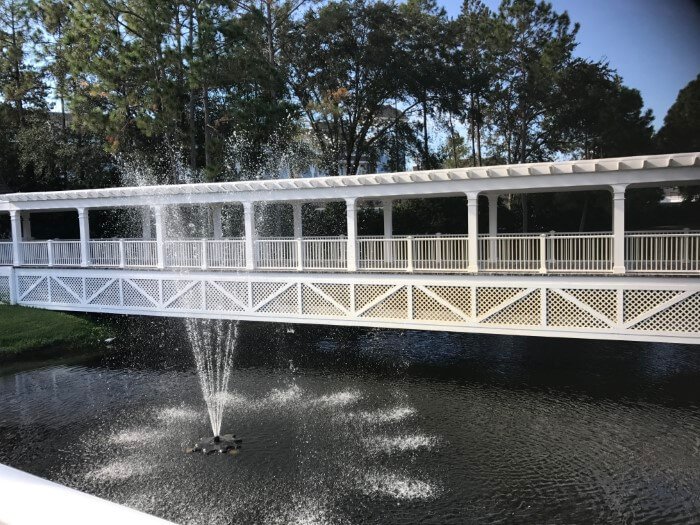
{"type": "Point", "coordinates": [351, 210]}
{"type": "Point", "coordinates": [618, 220]}
{"type": "Point", "coordinates": [387, 209]}
{"type": "Point", "coordinates": [493, 225]}
{"type": "Point", "coordinates": [160, 235]}
{"type": "Point", "coordinates": [249, 222]}
{"type": "Point", "coordinates": [473, 229]}
{"type": "Point", "coordinates": [297, 220]}
{"type": "Point", "coordinates": [216, 218]}
{"type": "Point", "coordinates": [493, 214]}
{"type": "Point", "coordinates": [84, 223]}
{"type": "Point", "coordinates": [16, 230]}
{"type": "Point", "coordinates": [146, 224]}
{"type": "Point", "coordinates": [26, 226]}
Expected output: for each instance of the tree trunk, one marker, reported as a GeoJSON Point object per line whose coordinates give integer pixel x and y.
{"type": "Point", "coordinates": [207, 128]}
{"type": "Point", "coordinates": [191, 125]}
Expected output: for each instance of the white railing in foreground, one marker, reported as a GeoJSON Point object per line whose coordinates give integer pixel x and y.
{"type": "Point", "coordinates": [662, 252]}
{"type": "Point", "coordinates": [277, 254]}
{"type": "Point", "coordinates": [379, 253]}
{"type": "Point", "coordinates": [64, 253]}
{"type": "Point", "coordinates": [123, 253]}
{"type": "Point", "coordinates": [512, 253]}
{"type": "Point", "coordinates": [5, 253]}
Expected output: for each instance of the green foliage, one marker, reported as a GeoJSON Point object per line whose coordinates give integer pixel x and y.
{"type": "Point", "coordinates": [23, 330]}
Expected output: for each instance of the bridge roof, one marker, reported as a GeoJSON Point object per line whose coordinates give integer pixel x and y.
{"type": "Point", "coordinates": [543, 176]}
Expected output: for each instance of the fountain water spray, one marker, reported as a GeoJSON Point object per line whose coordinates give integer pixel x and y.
{"type": "Point", "coordinates": [213, 342]}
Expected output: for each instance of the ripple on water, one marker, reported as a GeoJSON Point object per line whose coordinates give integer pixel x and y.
{"type": "Point", "coordinates": [119, 470]}
{"type": "Point", "coordinates": [403, 443]}
{"type": "Point", "coordinates": [397, 486]}
{"type": "Point", "coordinates": [136, 436]}
{"type": "Point", "coordinates": [173, 415]}
{"type": "Point", "coordinates": [385, 415]}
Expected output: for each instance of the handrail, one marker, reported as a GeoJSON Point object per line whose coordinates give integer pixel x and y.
{"type": "Point", "coordinates": [565, 252]}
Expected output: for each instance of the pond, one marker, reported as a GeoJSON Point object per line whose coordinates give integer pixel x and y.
{"type": "Point", "coordinates": [371, 426]}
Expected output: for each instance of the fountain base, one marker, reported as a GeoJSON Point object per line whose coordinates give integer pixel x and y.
{"type": "Point", "coordinates": [223, 444]}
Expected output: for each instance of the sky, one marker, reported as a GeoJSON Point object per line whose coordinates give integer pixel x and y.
{"type": "Point", "coordinates": [653, 44]}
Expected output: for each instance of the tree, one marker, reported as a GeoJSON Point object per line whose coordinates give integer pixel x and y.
{"type": "Point", "coordinates": [681, 129]}
{"type": "Point", "coordinates": [347, 66]}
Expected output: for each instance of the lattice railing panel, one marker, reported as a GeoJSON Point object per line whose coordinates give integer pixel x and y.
{"type": "Point", "coordinates": [564, 313]}
{"type": "Point", "coordinates": [460, 297]}
{"type": "Point", "coordinates": [74, 284]}
{"type": "Point", "coordinates": [426, 308]}
{"type": "Point", "coordinates": [366, 293]}
{"type": "Point", "coordinates": [602, 301]}
{"type": "Point", "coordinates": [262, 291]}
{"type": "Point", "coordinates": [135, 297]}
{"type": "Point", "coordinates": [4, 289]}
{"type": "Point", "coordinates": [638, 302]}
{"type": "Point", "coordinates": [523, 312]}
{"type": "Point", "coordinates": [40, 292]}
{"type": "Point", "coordinates": [25, 282]}
{"type": "Point", "coordinates": [314, 304]}
{"type": "Point", "coordinates": [109, 296]}
{"type": "Point", "coordinates": [94, 284]}
{"type": "Point", "coordinates": [60, 293]}
{"type": "Point", "coordinates": [340, 293]}
{"type": "Point", "coordinates": [285, 303]}
{"type": "Point", "coordinates": [683, 316]}
{"type": "Point", "coordinates": [149, 288]}
{"type": "Point", "coordinates": [393, 307]}
{"type": "Point", "coordinates": [216, 300]}
{"type": "Point", "coordinates": [488, 298]}
{"type": "Point", "coordinates": [237, 290]}
{"type": "Point", "coordinates": [191, 299]}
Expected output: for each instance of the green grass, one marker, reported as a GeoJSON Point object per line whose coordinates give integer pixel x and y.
{"type": "Point", "coordinates": [26, 330]}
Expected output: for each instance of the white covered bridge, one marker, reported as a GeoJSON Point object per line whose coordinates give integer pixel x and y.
{"type": "Point", "coordinates": [615, 284]}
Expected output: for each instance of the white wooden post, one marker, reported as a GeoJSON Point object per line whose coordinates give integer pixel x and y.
{"type": "Point", "coordinates": [160, 236]}
{"type": "Point", "coordinates": [84, 223]}
{"type": "Point", "coordinates": [409, 254]}
{"type": "Point", "coordinates": [298, 233]}
{"type": "Point", "coordinates": [387, 211]}
{"type": "Point", "coordinates": [16, 229]}
{"type": "Point", "coordinates": [49, 251]}
{"type": "Point", "coordinates": [249, 223]}
{"type": "Point", "coordinates": [122, 254]}
{"type": "Point", "coordinates": [205, 255]}
{"type": "Point", "coordinates": [146, 224]}
{"type": "Point", "coordinates": [493, 225]}
{"type": "Point", "coordinates": [26, 226]}
{"type": "Point", "coordinates": [543, 253]}
{"type": "Point", "coordinates": [473, 229]}
{"type": "Point", "coordinates": [216, 218]}
{"type": "Point", "coordinates": [351, 210]}
{"type": "Point", "coordinates": [618, 194]}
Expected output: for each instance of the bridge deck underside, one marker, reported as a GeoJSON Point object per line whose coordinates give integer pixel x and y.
{"type": "Point", "coordinates": [644, 309]}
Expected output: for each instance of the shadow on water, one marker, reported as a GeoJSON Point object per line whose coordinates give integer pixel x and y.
{"type": "Point", "coordinates": [654, 372]}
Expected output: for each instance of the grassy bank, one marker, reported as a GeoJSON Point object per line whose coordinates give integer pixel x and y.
{"type": "Point", "coordinates": [28, 331]}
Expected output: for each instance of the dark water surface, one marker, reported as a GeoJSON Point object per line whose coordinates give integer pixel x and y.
{"type": "Point", "coordinates": [349, 426]}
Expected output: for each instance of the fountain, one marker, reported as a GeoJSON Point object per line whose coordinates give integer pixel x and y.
{"type": "Point", "coordinates": [213, 342]}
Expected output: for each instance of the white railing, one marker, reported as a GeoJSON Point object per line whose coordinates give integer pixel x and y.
{"type": "Point", "coordinates": [34, 253]}
{"type": "Point", "coordinates": [277, 254]}
{"type": "Point", "coordinates": [183, 253]}
{"type": "Point", "coordinates": [5, 253]}
{"type": "Point", "coordinates": [585, 253]}
{"type": "Point", "coordinates": [512, 253]}
{"type": "Point", "coordinates": [228, 253]}
{"type": "Point", "coordinates": [64, 253]}
{"type": "Point", "coordinates": [385, 253]}
{"type": "Point", "coordinates": [447, 253]}
{"type": "Point", "coordinates": [580, 253]}
{"type": "Point", "coordinates": [325, 253]}
{"type": "Point", "coordinates": [662, 252]}
{"type": "Point", "coordinates": [105, 253]}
